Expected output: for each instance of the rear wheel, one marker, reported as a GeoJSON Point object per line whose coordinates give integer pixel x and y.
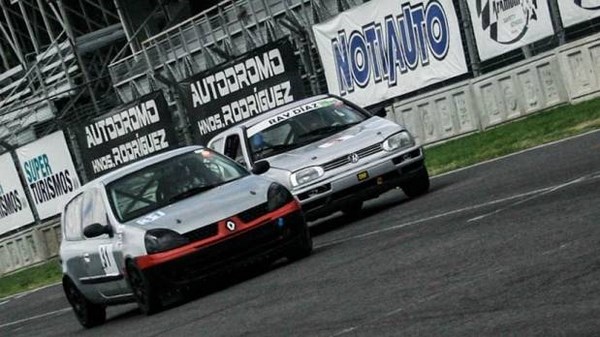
{"type": "Point", "coordinates": [417, 186]}
{"type": "Point", "coordinates": [144, 291]}
{"type": "Point", "coordinates": [302, 247]}
{"type": "Point", "coordinates": [88, 314]}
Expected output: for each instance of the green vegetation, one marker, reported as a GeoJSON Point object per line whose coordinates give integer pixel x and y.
{"type": "Point", "coordinates": [511, 137]}
{"type": "Point", "coordinates": [507, 138]}
{"type": "Point", "coordinates": [30, 278]}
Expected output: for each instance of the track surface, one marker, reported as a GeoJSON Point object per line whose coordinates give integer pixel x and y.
{"type": "Point", "coordinates": [507, 248]}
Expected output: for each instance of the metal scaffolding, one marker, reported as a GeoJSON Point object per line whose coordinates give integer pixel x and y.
{"type": "Point", "coordinates": [53, 69]}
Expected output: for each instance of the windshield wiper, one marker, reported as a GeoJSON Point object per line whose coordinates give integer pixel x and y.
{"type": "Point", "coordinates": [329, 129]}
{"type": "Point", "coordinates": [192, 191]}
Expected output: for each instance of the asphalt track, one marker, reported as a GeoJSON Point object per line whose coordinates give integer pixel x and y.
{"type": "Point", "coordinates": [506, 248]}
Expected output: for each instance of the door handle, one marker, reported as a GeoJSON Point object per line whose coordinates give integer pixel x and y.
{"type": "Point", "coordinates": [86, 257]}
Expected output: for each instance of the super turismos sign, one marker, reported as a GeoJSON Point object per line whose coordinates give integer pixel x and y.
{"type": "Point", "coordinates": [129, 133]}
{"type": "Point", "coordinates": [386, 48]}
{"type": "Point", "coordinates": [573, 12]}
{"type": "Point", "coordinates": [49, 173]}
{"type": "Point", "coordinates": [14, 208]}
{"type": "Point", "coordinates": [504, 25]}
{"type": "Point", "coordinates": [255, 82]}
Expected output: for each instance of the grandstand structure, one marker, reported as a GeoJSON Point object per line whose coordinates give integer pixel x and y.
{"type": "Point", "coordinates": [65, 61]}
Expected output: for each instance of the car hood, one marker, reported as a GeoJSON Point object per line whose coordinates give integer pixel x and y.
{"type": "Point", "coordinates": [373, 130]}
{"type": "Point", "coordinates": [207, 207]}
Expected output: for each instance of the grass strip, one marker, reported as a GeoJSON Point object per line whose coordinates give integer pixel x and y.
{"type": "Point", "coordinates": [537, 129]}
{"type": "Point", "coordinates": [31, 278]}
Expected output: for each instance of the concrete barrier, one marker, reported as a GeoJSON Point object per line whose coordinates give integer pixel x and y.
{"type": "Point", "coordinates": [29, 247]}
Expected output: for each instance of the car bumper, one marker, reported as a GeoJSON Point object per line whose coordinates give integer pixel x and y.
{"type": "Point", "coordinates": [264, 239]}
{"type": "Point", "coordinates": [343, 189]}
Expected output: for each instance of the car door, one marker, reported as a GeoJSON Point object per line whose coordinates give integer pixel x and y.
{"type": "Point", "coordinates": [236, 148]}
{"type": "Point", "coordinates": [103, 258]}
{"type": "Point", "coordinates": [74, 248]}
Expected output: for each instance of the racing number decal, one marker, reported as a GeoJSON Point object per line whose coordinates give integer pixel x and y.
{"type": "Point", "coordinates": [108, 259]}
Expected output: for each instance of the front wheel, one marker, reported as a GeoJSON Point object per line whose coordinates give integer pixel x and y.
{"type": "Point", "coordinates": [144, 291]}
{"type": "Point", "coordinates": [302, 247]}
{"type": "Point", "coordinates": [418, 185]}
{"type": "Point", "coordinates": [88, 314]}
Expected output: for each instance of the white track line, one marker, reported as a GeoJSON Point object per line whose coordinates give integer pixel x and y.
{"type": "Point", "coordinates": [527, 195]}
{"type": "Point", "coordinates": [55, 312]}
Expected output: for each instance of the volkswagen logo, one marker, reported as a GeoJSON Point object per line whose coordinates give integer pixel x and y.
{"type": "Point", "coordinates": [230, 225]}
{"type": "Point", "coordinates": [353, 158]}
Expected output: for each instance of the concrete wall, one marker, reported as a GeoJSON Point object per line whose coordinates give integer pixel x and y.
{"type": "Point", "coordinates": [30, 246]}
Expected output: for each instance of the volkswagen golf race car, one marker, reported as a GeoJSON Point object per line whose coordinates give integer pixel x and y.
{"type": "Point", "coordinates": [143, 231]}
{"type": "Point", "coordinates": [330, 153]}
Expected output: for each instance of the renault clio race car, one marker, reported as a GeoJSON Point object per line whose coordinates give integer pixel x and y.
{"type": "Point", "coordinates": [141, 232]}
{"type": "Point", "coordinates": [330, 153]}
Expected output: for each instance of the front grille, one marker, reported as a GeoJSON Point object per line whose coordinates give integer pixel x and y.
{"type": "Point", "coordinates": [202, 232]}
{"type": "Point", "coordinates": [362, 153]}
{"type": "Point", "coordinates": [254, 213]}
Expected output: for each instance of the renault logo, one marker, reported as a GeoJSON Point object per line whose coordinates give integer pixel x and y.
{"type": "Point", "coordinates": [353, 158]}
{"type": "Point", "coordinates": [230, 225]}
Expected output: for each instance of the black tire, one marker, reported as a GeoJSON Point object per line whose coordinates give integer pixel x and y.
{"type": "Point", "coordinates": [88, 314]}
{"type": "Point", "coordinates": [144, 292]}
{"type": "Point", "coordinates": [352, 209]}
{"type": "Point", "coordinates": [418, 185]}
{"type": "Point", "coordinates": [302, 247]}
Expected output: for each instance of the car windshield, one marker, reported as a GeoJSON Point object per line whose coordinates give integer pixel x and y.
{"type": "Point", "coordinates": [166, 182]}
{"type": "Point", "coordinates": [301, 126]}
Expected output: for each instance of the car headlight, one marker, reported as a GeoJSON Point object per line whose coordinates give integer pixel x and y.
{"type": "Point", "coordinates": [306, 175]}
{"type": "Point", "coordinates": [162, 239]}
{"type": "Point", "coordinates": [278, 196]}
{"type": "Point", "coordinates": [397, 141]}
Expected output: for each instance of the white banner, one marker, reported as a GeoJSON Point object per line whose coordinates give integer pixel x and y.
{"type": "Point", "coordinates": [14, 208]}
{"type": "Point", "coordinates": [576, 11]}
{"type": "Point", "coordinates": [49, 172]}
{"type": "Point", "coordinates": [504, 25]}
{"type": "Point", "coordinates": [386, 48]}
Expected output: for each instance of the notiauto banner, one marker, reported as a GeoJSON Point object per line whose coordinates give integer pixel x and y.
{"type": "Point", "coordinates": [49, 173]}
{"type": "Point", "coordinates": [14, 208]}
{"type": "Point", "coordinates": [386, 48]}
{"type": "Point", "coordinates": [576, 11]}
{"type": "Point", "coordinates": [129, 133]}
{"type": "Point", "coordinates": [504, 25]}
{"type": "Point", "coordinates": [256, 82]}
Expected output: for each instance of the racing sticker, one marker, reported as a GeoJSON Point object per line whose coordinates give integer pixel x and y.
{"type": "Point", "coordinates": [335, 141]}
{"type": "Point", "coordinates": [151, 218]}
{"type": "Point", "coordinates": [108, 259]}
{"type": "Point", "coordinates": [289, 114]}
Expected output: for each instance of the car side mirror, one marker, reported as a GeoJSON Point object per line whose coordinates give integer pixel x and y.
{"type": "Point", "coordinates": [261, 167]}
{"type": "Point", "coordinates": [380, 112]}
{"type": "Point", "coordinates": [96, 229]}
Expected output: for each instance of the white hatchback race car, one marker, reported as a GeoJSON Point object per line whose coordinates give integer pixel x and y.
{"type": "Point", "coordinates": [330, 153]}
{"type": "Point", "coordinates": [145, 231]}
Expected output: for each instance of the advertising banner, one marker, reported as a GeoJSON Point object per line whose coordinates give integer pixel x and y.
{"type": "Point", "coordinates": [14, 208]}
{"type": "Point", "coordinates": [49, 173]}
{"type": "Point", "coordinates": [386, 48]}
{"type": "Point", "coordinates": [256, 82]}
{"type": "Point", "coordinates": [504, 25]}
{"type": "Point", "coordinates": [573, 12]}
{"type": "Point", "coordinates": [131, 132]}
